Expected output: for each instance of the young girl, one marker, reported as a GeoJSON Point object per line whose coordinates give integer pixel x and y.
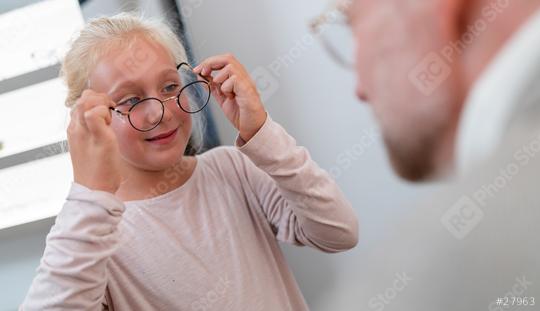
{"type": "Point", "coordinates": [148, 227]}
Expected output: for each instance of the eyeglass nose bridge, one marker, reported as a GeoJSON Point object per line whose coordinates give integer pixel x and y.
{"type": "Point", "coordinates": [176, 99]}
{"type": "Point", "coordinates": [163, 101]}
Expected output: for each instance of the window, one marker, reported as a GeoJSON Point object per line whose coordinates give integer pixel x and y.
{"type": "Point", "coordinates": [35, 170]}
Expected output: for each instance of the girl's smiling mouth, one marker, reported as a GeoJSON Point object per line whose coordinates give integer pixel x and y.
{"type": "Point", "coordinates": [163, 138]}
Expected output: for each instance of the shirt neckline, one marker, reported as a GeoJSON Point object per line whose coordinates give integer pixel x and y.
{"type": "Point", "coordinates": [187, 184]}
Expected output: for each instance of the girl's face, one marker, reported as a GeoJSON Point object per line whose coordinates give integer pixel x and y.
{"type": "Point", "coordinates": [128, 74]}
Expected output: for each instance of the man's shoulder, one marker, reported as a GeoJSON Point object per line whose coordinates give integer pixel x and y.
{"type": "Point", "coordinates": [476, 239]}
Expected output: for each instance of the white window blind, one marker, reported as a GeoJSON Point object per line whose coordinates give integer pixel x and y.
{"type": "Point", "coordinates": [35, 171]}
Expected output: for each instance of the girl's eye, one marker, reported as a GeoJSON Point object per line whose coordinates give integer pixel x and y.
{"type": "Point", "coordinates": [171, 88]}
{"type": "Point", "coordinates": [130, 101]}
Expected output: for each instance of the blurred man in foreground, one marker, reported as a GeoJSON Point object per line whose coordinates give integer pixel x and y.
{"type": "Point", "coordinates": [454, 85]}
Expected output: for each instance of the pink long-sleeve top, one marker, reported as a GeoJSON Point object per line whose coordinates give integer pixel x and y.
{"type": "Point", "coordinates": [211, 244]}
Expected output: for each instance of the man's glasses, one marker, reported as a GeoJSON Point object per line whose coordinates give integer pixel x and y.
{"type": "Point", "coordinates": [333, 31]}
{"type": "Point", "coordinates": [191, 95]}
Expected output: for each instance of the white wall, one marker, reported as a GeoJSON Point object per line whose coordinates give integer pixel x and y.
{"type": "Point", "coordinates": [314, 100]}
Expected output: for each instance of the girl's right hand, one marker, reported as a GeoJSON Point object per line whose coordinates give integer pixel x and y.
{"type": "Point", "coordinates": [92, 143]}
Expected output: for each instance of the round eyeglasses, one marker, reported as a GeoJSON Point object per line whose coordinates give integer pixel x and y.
{"type": "Point", "coordinates": [192, 94]}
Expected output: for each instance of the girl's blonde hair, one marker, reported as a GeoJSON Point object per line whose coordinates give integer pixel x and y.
{"type": "Point", "coordinates": [101, 35]}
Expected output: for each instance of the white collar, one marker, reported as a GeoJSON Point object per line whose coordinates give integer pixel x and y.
{"type": "Point", "coordinates": [496, 94]}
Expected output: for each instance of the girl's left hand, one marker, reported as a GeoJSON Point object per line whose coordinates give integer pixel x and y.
{"type": "Point", "coordinates": [235, 92]}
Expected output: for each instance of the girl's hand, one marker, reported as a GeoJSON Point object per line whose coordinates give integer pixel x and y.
{"type": "Point", "coordinates": [235, 92]}
{"type": "Point", "coordinates": [92, 143]}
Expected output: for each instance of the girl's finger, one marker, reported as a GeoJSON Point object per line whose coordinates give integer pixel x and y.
{"type": "Point", "coordinates": [77, 114]}
{"type": "Point", "coordinates": [228, 86]}
{"type": "Point", "coordinates": [97, 119]}
{"type": "Point", "coordinates": [217, 93]}
{"type": "Point", "coordinates": [88, 101]}
{"type": "Point", "coordinates": [223, 74]}
{"type": "Point", "coordinates": [100, 99]}
{"type": "Point", "coordinates": [74, 122]}
{"type": "Point", "coordinates": [213, 63]}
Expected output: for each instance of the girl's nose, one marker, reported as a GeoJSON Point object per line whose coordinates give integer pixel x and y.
{"type": "Point", "coordinates": [168, 113]}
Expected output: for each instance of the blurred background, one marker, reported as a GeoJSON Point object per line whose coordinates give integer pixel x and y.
{"type": "Point", "coordinates": [302, 87]}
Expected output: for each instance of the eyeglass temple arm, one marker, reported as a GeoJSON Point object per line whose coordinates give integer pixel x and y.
{"type": "Point", "coordinates": [189, 66]}
{"type": "Point", "coordinates": [120, 112]}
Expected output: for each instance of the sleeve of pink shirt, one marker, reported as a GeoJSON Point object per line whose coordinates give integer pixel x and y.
{"type": "Point", "coordinates": [301, 201]}
{"type": "Point", "coordinates": [72, 273]}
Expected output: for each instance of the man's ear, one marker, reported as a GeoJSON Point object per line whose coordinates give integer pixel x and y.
{"type": "Point", "coordinates": [453, 16]}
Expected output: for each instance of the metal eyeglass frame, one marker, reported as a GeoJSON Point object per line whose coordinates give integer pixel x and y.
{"type": "Point", "coordinates": [177, 97]}
{"type": "Point", "coordinates": [328, 17]}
